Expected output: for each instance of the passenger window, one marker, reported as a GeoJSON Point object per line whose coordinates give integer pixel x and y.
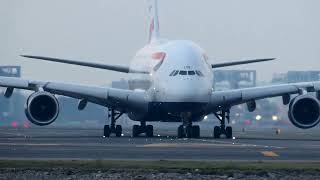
{"type": "Point", "coordinates": [199, 73]}
{"type": "Point", "coordinates": [183, 72]}
{"type": "Point", "coordinates": [191, 73]}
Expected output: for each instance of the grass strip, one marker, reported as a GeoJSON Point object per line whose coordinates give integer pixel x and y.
{"type": "Point", "coordinates": [208, 167]}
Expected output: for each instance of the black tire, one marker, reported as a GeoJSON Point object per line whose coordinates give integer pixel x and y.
{"type": "Point", "coordinates": [196, 131]}
{"type": "Point", "coordinates": [106, 131]}
{"type": "Point", "coordinates": [216, 132]}
{"type": "Point", "coordinates": [135, 131]}
{"type": "Point", "coordinates": [149, 131]}
{"type": "Point", "coordinates": [229, 132]}
{"type": "Point", "coordinates": [189, 132]}
{"type": "Point", "coordinates": [118, 130]}
{"type": "Point", "coordinates": [181, 132]}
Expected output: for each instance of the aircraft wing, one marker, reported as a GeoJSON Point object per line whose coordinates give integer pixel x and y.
{"type": "Point", "coordinates": [233, 63]}
{"type": "Point", "coordinates": [118, 68]}
{"type": "Point", "coordinates": [109, 97]}
{"type": "Point", "coordinates": [234, 97]}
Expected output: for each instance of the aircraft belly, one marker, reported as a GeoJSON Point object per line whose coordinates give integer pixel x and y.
{"type": "Point", "coordinates": [170, 111]}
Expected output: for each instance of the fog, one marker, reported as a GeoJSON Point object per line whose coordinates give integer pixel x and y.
{"type": "Point", "coordinates": [112, 31]}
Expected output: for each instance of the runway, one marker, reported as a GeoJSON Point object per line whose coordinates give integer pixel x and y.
{"type": "Point", "coordinates": [43, 143]}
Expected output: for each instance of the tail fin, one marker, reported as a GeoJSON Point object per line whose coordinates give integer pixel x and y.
{"type": "Point", "coordinates": [154, 33]}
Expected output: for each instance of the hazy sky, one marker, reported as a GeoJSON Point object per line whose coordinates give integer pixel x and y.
{"type": "Point", "coordinates": [111, 31]}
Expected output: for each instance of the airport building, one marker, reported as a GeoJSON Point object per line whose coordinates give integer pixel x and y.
{"type": "Point", "coordinates": [8, 110]}
{"type": "Point", "coordinates": [234, 79]}
{"type": "Point", "coordinates": [296, 76]}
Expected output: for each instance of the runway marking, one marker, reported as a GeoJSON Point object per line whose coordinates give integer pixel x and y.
{"type": "Point", "coordinates": [176, 145]}
{"type": "Point", "coordinates": [240, 144]}
{"type": "Point", "coordinates": [27, 144]}
{"type": "Point", "coordinates": [190, 145]}
{"type": "Point", "coordinates": [269, 154]}
{"type": "Point", "coordinates": [12, 134]}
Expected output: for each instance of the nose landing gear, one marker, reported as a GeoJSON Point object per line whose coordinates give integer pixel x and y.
{"type": "Point", "coordinates": [188, 130]}
{"type": "Point", "coordinates": [222, 129]}
{"type": "Point", "coordinates": [113, 128]}
{"type": "Point", "coordinates": [143, 128]}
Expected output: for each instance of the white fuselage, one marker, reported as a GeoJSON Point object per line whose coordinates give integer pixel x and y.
{"type": "Point", "coordinates": [192, 81]}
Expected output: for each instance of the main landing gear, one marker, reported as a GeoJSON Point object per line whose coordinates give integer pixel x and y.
{"type": "Point", "coordinates": [222, 129]}
{"type": "Point", "coordinates": [188, 130]}
{"type": "Point", "coordinates": [113, 128]}
{"type": "Point", "coordinates": [143, 128]}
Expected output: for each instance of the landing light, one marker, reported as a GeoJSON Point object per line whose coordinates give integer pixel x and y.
{"type": "Point", "coordinates": [14, 124]}
{"type": "Point", "coordinates": [205, 118]}
{"type": "Point", "coordinates": [275, 118]}
{"type": "Point", "coordinates": [258, 117]}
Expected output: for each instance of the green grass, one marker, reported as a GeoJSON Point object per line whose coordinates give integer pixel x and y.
{"type": "Point", "coordinates": [208, 167]}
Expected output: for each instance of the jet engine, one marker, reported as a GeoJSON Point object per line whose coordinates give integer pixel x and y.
{"type": "Point", "coordinates": [42, 108]}
{"type": "Point", "coordinates": [304, 111]}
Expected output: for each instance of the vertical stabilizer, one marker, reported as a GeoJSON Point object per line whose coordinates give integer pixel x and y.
{"type": "Point", "coordinates": [154, 33]}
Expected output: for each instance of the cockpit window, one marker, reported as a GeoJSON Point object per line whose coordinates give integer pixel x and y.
{"type": "Point", "coordinates": [172, 73]}
{"type": "Point", "coordinates": [175, 73]}
{"type": "Point", "coordinates": [192, 73]}
{"type": "Point", "coordinates": [183, 72]}
{"type": "Point", "coordinates": [199, 73]}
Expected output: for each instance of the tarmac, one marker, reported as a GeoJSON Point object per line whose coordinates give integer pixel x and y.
{"type": "Point", "coordinates": [87, 144]}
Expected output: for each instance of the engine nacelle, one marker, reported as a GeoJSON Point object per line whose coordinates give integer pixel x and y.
{"type": "Point", "coordinates": [304, 111]}
{"type": "Point", "coordinates": [42, 108]}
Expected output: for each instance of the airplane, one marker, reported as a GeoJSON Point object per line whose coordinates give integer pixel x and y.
{"type": "Point", "coordinates": [180, 90]}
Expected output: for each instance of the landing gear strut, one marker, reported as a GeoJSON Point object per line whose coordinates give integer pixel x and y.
{"type": "Point", "coordinates": [188, 130]}
{"type": "Point", "coordinates": [143, 128]}
{"type": "Point", "coordinates": [113, 128]}
{"type": "Point", "coordinates": [222, 129]}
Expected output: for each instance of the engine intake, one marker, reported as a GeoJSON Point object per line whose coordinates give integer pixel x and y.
{"type": "Point", "coordinates": [42, 108]}
{"type": "Point", "coordinates": [304, 111]}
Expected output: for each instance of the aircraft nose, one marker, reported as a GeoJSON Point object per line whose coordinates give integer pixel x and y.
{"type": "Point", "coordinates": [187, 92]}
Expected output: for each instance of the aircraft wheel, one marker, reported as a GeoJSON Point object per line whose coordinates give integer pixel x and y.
{"type": "Point", "coordinates": [181, 131]}
{"type": "Point", "coordinates": [106, 131]}
{"type": "Point", "coordinates": [118, 130]}
{"type": "Point", "coordinates": [135, 131]}
{"type": "Point", "coordinates": [149, 131]}
{"type": "Point", "coordinates": [216, 132]}
{"type": "Point", "coordinates": [189, 131]}
{"type": "Point", "coordinates": [196, 131]}
{"type": "Point", "coordinates": [229, 132]}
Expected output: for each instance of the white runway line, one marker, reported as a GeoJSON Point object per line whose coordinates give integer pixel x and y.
{"type": "Point", "coordinates": [239, 144]}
